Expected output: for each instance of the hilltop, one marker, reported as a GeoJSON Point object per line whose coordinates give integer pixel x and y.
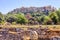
{"type": "Point", "coordinates": [33, 9]}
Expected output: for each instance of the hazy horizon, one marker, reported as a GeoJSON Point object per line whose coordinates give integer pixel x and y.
{"type": "Point", "coordinates": [9, 5]}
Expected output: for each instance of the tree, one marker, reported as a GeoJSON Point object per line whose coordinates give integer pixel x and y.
{"type": "Point", "coordinates": [44, 20]}
{"type": "Point", "coordinates": [10, 18]}
{"type": "Point", "coordinates": [58, 13]}
{"type": "Point", "coordinates": [1, 18]}
{"type": "Point", "coordinates": [17, 17]}
{"type": "Point", "coordinates": [21, 19]}
{"type": "Point", "coordinates": [54, 17]}
{"type": "Point", "coordinates": [40, 19]}
{"type": "Point", "coordinates": [47, 20]}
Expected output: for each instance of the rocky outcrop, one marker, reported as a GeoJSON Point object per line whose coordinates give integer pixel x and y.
{"type": "Point", "coordinates": [33, 9]}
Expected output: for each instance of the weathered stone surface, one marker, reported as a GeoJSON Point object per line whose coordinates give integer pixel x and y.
{"type": "Point", "coordinates": [29, 34]}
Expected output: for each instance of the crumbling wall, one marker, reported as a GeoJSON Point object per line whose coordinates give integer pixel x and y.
{"type": "Point", "coordinates": [29, 34]}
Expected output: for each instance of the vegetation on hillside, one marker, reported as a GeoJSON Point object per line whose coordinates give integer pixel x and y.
{"type": "Point", "coordinates": [44, 18]}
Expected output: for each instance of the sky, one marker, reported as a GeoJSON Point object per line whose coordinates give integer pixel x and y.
{"type": "Point", "coordinates": [9, 5]}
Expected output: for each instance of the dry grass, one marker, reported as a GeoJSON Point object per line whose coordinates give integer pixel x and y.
{"type": "Point", "coordinates": [29, 26]}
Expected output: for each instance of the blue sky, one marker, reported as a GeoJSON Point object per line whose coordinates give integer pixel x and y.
{"type": "Point", "coordinates": [8, 5]}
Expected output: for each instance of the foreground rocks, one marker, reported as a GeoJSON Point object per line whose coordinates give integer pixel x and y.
{"type": "Point", "coordinates": [29, 34]}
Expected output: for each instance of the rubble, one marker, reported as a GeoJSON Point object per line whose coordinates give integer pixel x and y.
{"type": "Point", "coordinates": [30, 34]}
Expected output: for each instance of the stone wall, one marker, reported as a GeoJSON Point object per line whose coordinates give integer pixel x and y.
{"type": "Point", "coordinates": [29, 34]}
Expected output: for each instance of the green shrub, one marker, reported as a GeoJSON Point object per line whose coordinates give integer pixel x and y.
{"type": "Point", "coordinates": [13, 23]}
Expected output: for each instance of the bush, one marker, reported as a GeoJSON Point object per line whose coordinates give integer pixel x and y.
{"type": "Point", "coordinates": [2, 22]}
{"type": "Point", "coordinates": [13, 23]}
{"type": "Point", "coordinates": [21, 19]}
